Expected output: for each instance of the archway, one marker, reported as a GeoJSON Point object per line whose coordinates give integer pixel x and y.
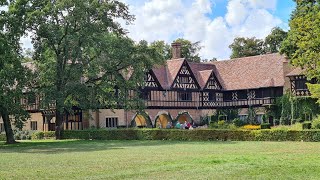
{"type": "Point", "coordinates": [184, 116]}
{"type": "Point", "coordinates": [162, 119]}
{"type": "Point", "coordinates": [141, 119]}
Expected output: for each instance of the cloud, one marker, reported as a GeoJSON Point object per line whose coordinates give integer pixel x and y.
{"type": "Point", "coordinates": [194, 20]}
{"type": "Point", "coordinates": [191, 19]}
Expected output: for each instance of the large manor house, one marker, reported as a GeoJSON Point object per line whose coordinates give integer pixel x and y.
{"type": "Point", "coordinates": [188, 91]}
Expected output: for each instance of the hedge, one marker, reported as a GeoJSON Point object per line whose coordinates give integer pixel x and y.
{"type": "Point", "coordinates": [195, 135]}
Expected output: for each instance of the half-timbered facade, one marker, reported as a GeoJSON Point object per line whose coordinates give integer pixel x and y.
{"type": "Point", "coordinates": [184, 91]}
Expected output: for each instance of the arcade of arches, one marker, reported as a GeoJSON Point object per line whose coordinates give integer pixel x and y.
{"type": "Point", "coordinates": [160, 120]}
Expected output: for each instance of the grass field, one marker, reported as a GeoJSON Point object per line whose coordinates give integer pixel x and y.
{"type": "Point", "coordinates": [159, 160]}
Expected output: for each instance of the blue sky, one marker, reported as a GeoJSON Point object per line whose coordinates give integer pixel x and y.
{"type": "Point", "coordinates": [283, 9]}
{"type": "Point", "coordinates": [215, 23]}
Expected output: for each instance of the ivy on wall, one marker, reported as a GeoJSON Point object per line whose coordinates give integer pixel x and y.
{"type": "Point", "coordinates": [289, 109]}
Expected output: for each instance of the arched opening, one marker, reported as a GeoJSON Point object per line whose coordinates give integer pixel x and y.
{"type": "Point", "coordinates": [184, 116]}
{"type": "Point", "coordinates": [162, 120]}
{"type": "Point", "coordinates": [141, 120]}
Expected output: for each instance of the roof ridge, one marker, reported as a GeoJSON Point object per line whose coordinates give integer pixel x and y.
{"type": "Point", "coordinates": [241, 58]}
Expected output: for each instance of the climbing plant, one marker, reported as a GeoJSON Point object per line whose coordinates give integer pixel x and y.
{"type": "Point", "coordinates": [290, 109]}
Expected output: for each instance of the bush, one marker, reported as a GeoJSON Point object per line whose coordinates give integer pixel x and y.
{"type": "Point", "coordinates": [251, 127]}
{"type": "Point", "coordinates": [2, 137]}
{"type": "Point", "coordinates": [265, 126]}
{"type": "Point", "coordinates": [238, 122]}
{"type": "Point", "coordinates": [221, 123]}
{"type": "Point", "coordinates": [213, 125]}
{"type": "Point", "coordinates": [22, 135]}
{"type": "Point", "coordinates": [306, 125]}
{"type": "Point", "coordinates": [195, 135]}
{"type": "Point", "coordinates": [316, 123]}
{"type": "Point", "coordinates": [43, 135]}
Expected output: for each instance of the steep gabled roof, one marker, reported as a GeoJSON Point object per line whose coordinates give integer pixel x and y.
{"type": "Point", "coordinates": [167, 73]}
{"type": "Point", "coordinates": [296, 72]}
{"type": "Point", "coordinates": [202, 72]}
{"type": "Point", "coordinates": [251, 72]}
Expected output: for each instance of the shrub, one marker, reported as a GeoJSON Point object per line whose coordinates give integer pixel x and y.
{"type": "Point", "coordinates": [213, 125]}
{"type": "Point", "coordinates": [306, 125]}
{"type": "Point", "coordinates": [204, 120]}
{"type": "Point", "coordinates": [296, 126]}
{"type": "Point", "coordinates": [265, 126]}
{"type": "Point", "coordinates": [251, 127]}
{"type": "Point", "coordinates": [43, 135]}
{"type": "Point", "coordinates": [221, 123]}
{"type": "Point", "coordinates": [195, 135]}
{"type": "Point", "coordinates": [316, 123]}
{"type": "Point", "coordinates": [238, 122]}
{"type": "Point", "coordinates": [2, 137]}
{"type": "Point", "coordinates": [22, 135]}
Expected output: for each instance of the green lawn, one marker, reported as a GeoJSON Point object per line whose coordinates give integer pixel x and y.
{"type": "Point", "coordinates": [159, 160]}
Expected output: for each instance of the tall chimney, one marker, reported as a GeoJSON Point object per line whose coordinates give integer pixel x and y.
{"type": "Point", "coordinates": [176, 50]}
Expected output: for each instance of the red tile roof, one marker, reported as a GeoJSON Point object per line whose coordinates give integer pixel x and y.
{"type": "Point", "coordinates": [296, 72]}
{"type": "Point", "coordinates": [202, 72]}
{"type": "Point", "coordinates": [166, 73]}
{"type": "Point", "coordinates": [251, 72]}
{"type": "Point", "coordinates": [236, 74]}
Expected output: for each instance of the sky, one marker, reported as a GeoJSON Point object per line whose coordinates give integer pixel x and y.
{"type": "Point", "coordinates": [215, 23]}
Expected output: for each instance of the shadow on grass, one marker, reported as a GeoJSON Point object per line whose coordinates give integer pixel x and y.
{"type": "Point", "coordinates": [71, 146]}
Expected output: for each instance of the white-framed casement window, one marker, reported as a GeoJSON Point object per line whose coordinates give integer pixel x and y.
{"type": "Point", "coordinates": [34, 125]}
{"type": "Point", "coordinates": [111, 122]}
{"type": "Point", "coordinates": [1, 127]}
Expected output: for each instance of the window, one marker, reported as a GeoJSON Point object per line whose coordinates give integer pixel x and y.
{"type": "Point", "coordinates": [31, 99]}
{"type": "Point", "coordinates": [111, 122]}
{"type": "Point", "coordinates": [184, 80]}
{"type": "Point", "coordinates": [1, 127]}
{"type": "Point", "coordinates": [146, 95]}
{"type": "Point", "coordinates": [301, 84]}
{"type": "Point", "coordinates": [34, 125]}
{"type": "Point", "coordinates": [184, 96]}
{"type": "Point", "coordinates": [212, 96]}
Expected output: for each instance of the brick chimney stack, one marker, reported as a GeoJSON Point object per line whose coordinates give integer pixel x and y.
{"type": "Point", "coordinates": [176, 50]}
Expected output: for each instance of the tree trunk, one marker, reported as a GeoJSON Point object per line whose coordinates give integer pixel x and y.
{"type": "Point", "coordinates": [59, 122]}
{"type": "Point", "coordinates": [7, 127]}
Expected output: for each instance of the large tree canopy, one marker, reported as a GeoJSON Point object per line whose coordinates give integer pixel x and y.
{"type": "Point", "coordinates": [302, 45]}
{"type": "Point", "coordinates": [243, 47]}
{"type": "Point", "coordinates": [273, 41]}
{"type": "Point", "coordinates": [82, 56]}
{"type": "Point", "coordinates": [189, 50]}
{"type": "Point", "coordinates": [13, 75]}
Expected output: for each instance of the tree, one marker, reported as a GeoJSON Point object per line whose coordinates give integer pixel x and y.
{"type": "Point", "coordinates": [302, 44]}
{"type": "Point", "coordinates": [163, 48]}
{"type": "Point", "coordinates": [80, 52]}
{"type": "Point", "coordinates": [273, 41]}
{"type": "Point", "coordinates": [13, 75]}
{"type": "Point", "coordinates": [189, 50]}
{"type": "Point", "coordinates": [243, 47]}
